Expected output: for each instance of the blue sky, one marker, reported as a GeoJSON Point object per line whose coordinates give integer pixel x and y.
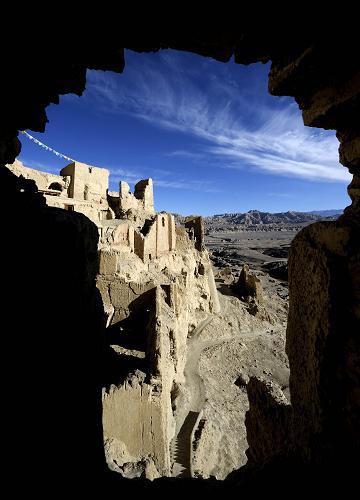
{"type": "Point", "coordinates": [208, 133]}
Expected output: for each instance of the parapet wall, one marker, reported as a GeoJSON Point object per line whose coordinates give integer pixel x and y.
{"type": "Point", "coordinates": [43, 180]}
{"type": "Point", "coordinates": [79, 188]}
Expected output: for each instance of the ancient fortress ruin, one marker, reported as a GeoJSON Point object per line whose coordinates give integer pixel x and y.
{"type": "Point", "coordinates": [157, 285]}
{"type": "Point", "coordinates": [126, 221]}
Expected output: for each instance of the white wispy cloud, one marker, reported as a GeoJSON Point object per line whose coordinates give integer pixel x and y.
{"type": "Point", "coordinates": [182, 153]}
{"type": "Point", "coordinates": [268, 140]}
{"type": "Point", "coordinates": [281, 195]}
{"type": "Point", "coordinates": [191, 185]}
{"type": "Point", "coordinates": [119, 174]}
{"type": "Point", "coordinates": [160, 178]}
{"type": "Point", "coordinates": [161, 171]}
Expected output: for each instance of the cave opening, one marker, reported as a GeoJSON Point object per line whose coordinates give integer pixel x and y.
{"type": "Point", "coordinates": [324, 253]}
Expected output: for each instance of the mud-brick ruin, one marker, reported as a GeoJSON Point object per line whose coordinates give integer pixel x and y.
{"type": "Point", "coordinates": [156, 284]}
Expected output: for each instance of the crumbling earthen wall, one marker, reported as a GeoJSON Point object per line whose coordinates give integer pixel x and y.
{"type": "Point", "coordinates": [141, 200]}
{"type": "Point", "coordinates": [119, 236]}
{"type": "Point", "coordinates": [133, 419]}
{"type": "Point", "coordinates": [143, 192]}
{"type": "Point", "coordinates": [80, 188]}
{"type": "Point", "coordinates": [145, 403]}
{"type": "Point", "coordinates": [87, 183]}
{"type": "Point", "coordinates": [122, 295]}
{"type": "Point", "coordinates": [157, 315]}
{"type": "Point", "coordinates": [43, 180]}
{"type": "Point", "coordinates": [248, 285]}
{"type": "Point", "coordinates": [326, 370]}
{"type": "Point", "coordinates": [195, 228]}
{"type": "Point", "coordinates": [158, 237]}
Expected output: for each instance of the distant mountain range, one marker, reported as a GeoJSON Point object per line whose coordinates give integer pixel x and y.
{"type": "Point", "coordinates": [255, 217]}
{"type": "Point", "coordinates": [326, 213]}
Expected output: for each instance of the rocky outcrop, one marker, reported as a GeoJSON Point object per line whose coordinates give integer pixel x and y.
{"type": "Point", "coordinates": [226, 275]}
{"type": "Point", "coordinates": [248, 285]}
{"type": "Point", "coordinates": [271, 418]}
{"type": "Point", "coordinates": [278, 270]}
{"type": "Point", "coordinates": [322, 340]}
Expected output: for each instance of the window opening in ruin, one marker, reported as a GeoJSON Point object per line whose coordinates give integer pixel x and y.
{"type": "Point", "coordinates": [56, 186]}
{"type": "Point", "coordinates": [163, 221]}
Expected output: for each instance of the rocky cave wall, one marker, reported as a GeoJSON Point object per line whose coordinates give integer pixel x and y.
{"type": "Point", "coordinates": [50, 264]}
{"type": "Point", "coordinates": [52, 340]}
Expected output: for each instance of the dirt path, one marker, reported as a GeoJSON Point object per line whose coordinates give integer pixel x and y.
{"type": "Point", "coordinates": [181, 444]}
{"type": "Point", "coordinates": [193, 380]}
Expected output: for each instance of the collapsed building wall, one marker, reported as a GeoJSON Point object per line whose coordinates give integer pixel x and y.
{"type": "Point", "coordinates": [143, 192]}
{"type": "Point", "coordinates": [143, 401]}
{"type": "Point", "coordinates": [157, 237]}
{"type": "Point", "coordinates": [88, 188]}
{"type": "Point", "coordinates": [43, 180]}
{"type": "Point", "coordinates": [142, 200]}
{"type": "Point", "coordinates": [119, 236]}
{"type": "Point", "coordinates": [134, 430]}
{"type": "Point", "coordinates": [79, 188]}
{"type": "Point", "coordinates": [195, 228]}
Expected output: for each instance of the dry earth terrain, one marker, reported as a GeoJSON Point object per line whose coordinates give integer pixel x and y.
{"type": "Point", "coordinates": [239, 343]}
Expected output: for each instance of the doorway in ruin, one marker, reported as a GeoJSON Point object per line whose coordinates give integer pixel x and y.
{"type": "Point", "coordinates": [56, 186]}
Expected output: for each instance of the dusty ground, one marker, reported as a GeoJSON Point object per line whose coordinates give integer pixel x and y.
{"type": "Point", "coordinates": [234, 346]}
{"type": "Point", "coordinates": [253, 247]}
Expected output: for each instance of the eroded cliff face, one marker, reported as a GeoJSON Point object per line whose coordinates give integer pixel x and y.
{"type": "Point", "coordinates": [324, 319]}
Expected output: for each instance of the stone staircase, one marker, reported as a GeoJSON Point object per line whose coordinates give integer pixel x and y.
{"type": "Point", "coordinates": [180, 448]}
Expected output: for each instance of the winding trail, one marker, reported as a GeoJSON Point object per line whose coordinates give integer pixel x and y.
{"type": "Point", "coordinates": [181, 444]}
{"type": "Point", "coordinates": [191, 371]}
